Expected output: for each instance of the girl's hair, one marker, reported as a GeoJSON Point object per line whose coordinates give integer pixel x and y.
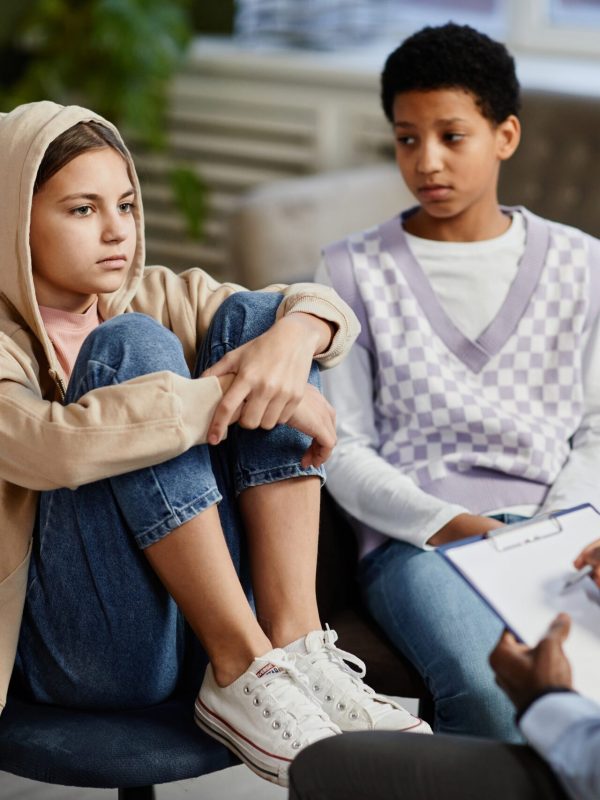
{"type": "Point", "coordinates": [73, 142]}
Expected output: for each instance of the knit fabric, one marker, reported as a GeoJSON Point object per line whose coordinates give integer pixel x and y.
{"type": "Point", "coordinates": [67, 331]}
{"type": "Point", "coordinates": [504, 405]}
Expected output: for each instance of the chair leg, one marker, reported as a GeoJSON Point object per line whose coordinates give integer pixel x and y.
{"type": "Point", "coordinates": [137, 793]}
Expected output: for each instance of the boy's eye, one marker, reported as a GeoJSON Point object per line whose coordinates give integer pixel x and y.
{"type": "Point", "coordinates": [126, 208]}
{"type": "Point", "coordinates": [454, 137]}
{"type": "Point", "coordinates": [405, 140]}
{"type": "Point", "coordinates": [81, 211]}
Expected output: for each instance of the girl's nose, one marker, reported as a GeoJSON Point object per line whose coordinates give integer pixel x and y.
{"type": "Point", "coordinates": [115, 229]}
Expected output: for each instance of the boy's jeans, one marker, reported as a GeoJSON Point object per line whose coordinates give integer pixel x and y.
{"type": "Point", "coordinates": [446, 630]}
{"type": "Point", "coordinates": [99, 629]}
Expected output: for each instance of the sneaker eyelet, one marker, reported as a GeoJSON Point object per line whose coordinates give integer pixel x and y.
{"type": "Point", "coordinates": [328, 698]}
{"type": "Point", "coordinates": [316, 687]}
{"type": "Point", "coordinates": [295, 745]}
{"type": "Point", "coordinates": [246, 689]}
{"type": "Point", "coordinates": [353, 715]}
{"type": "Point", "coordinates": [266, 712]}
{"type": "Point", "coordinates": [286, 735]}
{"type": "Point", "coordinates": [276, 724]}
{"type": "Point", "coordinates": [256, 701]}
{"type": "Point", "coordinates": [341, 706]}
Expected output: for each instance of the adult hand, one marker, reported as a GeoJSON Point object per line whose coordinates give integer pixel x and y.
{"type": "Point", "coordinates": [524, 672]}
{"type": "Point", "coordinates": [270, 374]}
{"type": "Point", "coordinates": [462, 526]}
{"type": "Point", "coordinates": [590, 555]}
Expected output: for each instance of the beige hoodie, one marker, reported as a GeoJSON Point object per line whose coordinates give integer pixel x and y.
{"type": "Point", "coordinates": [45, 444]}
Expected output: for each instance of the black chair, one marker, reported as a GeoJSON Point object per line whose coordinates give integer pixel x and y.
{"type": "Point", "coordinates": [133, 750]}
{"type": "Point", "coordinates": [128, 750]}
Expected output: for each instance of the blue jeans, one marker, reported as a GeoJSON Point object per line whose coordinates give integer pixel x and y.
{"type": "Point", "coordinates": [99, 629]}
{"type": "Point", "coordinates": [446, 630]}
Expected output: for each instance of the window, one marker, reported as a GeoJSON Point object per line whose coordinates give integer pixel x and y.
{"type": "Point", "coordinates": [578, 12]}
{"type": "Point", "coordinates": [563, 26]}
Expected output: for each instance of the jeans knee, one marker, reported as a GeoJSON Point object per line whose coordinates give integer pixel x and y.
{"type": "Point", "coordinates": [244, 316]}
{"type": "Point", "coordinates": [126, 347]}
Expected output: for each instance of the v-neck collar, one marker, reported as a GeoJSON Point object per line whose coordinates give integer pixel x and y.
{"type": "Point", "coordinates": [475, 354]}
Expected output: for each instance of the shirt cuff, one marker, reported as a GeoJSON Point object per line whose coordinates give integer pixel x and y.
{"type": "Point", "coordinates": [548, 717]}
{"type": "Point", "coordinates": [538, 696]}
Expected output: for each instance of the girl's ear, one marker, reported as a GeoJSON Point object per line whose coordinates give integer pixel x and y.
{"type": "Point", "coordinates": [508, 135]}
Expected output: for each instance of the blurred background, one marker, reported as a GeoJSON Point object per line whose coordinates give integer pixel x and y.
{"type": "Point", "coordinates": [221, 98]}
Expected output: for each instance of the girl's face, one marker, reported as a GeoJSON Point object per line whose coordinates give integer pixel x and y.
{"type": "Point", "coordinates": [83, 234]}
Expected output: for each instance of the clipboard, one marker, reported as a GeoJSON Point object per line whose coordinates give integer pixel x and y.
{"type": "Point", "coordinates": [520, 571]}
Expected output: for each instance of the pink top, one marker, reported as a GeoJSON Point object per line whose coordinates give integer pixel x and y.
{"type": "Point", "coordinates": [67, 332]}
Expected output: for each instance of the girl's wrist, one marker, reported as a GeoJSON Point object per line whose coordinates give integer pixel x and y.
{"type": "Point", "coordinates": [317, 331]}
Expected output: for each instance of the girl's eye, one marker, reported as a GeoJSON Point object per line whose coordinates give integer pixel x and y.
{"type": "Point", "coordinates": [81, 211]}
{"type": "Point", "coordinates": [454, 137]}
{"type": "Point", "coordinates": [405, 140]}
{"type": "Point", "coordinates": [126, 208]}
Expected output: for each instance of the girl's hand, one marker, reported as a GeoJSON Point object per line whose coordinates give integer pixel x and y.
{"type": "Point", "coordinates": [270, 374]}
{"type": "Point", "coordinates": [315, 417]}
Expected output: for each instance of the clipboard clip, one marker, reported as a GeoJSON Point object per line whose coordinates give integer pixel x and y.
{"type": "Point", "coordinates": [529, 530]}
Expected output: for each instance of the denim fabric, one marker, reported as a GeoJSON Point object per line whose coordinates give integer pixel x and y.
{"type": "Point", "coordinates": [446, 630]}
{"type": "Point", "coordinates": [99, 629]}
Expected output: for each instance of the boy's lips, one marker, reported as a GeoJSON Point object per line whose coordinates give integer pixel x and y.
{"type": "Point", "coordinates": [434, 191]}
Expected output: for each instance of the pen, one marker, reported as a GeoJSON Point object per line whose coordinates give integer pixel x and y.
{"type": "Point", "coordinates": [582, 573]}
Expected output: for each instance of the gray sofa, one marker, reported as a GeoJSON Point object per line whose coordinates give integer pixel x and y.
{"type": "Point", "coordinates": [277, 233]}
{"type": "Point", "coordinates": [277, 230]}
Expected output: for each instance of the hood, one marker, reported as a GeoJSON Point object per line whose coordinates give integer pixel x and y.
{"type": "Point", "coordinates": [25, 134]}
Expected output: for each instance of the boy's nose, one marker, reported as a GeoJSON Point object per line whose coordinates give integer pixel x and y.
{"type": "Point", "coordinates": [429, 159]}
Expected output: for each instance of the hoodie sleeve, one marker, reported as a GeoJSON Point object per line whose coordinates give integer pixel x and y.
{"type": "Point", "coordinates": [108, 431]}
{"type": "Point", "coordinates": [186, 303]}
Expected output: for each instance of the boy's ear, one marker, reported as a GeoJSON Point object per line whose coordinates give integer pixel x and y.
{"type": "Point", "coordinates": [508, 135]}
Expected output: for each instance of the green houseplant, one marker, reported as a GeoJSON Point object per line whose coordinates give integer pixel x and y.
{"type": "Point", "coordinates": [115, 56]}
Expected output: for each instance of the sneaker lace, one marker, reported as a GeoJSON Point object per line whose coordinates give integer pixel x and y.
{"type": "Point", "coordinates": [293, 705]}
{"type": "Point", "coordinates": [332, 662]}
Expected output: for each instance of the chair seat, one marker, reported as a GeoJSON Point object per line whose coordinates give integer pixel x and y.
{"type": "Point", "coordinates": [107, 749]}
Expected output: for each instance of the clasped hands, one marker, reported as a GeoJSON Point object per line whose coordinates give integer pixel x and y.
{"type": "Point", "coordinates": [264, 384]}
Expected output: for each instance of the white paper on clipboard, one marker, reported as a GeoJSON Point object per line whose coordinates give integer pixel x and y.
{"type": "Point", "coordinates": [521, 571]}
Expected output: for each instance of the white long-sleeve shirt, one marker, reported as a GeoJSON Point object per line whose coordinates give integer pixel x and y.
{"type": "Point", "coordinates": [377, 494]}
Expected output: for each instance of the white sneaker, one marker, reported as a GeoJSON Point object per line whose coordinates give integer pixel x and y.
{"type": "Point", "coordinates": [349, 702]}
{"type": "Point", "coordinates": [265, 717]}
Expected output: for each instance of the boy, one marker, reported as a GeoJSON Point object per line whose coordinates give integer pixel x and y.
{"type": "Point", "coordinates": [470, 399]}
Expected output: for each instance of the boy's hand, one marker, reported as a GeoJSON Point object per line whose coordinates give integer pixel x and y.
{"type": "Point", "coordinates": [524, 672]}
{"type": "Point", "coordinates": [590, 555]}
{"type": "Point", "coordinates": [462, 526]}
{"type": "Point", "coordinates": [270, 374]}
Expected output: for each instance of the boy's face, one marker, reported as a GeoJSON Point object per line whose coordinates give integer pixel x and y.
{"type": "Point", "coordinates": [448, 153]}
{"type": "Point", "coordinates": [83, 234]}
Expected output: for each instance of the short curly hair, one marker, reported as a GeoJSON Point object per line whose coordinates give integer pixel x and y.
{"type": "Point", "coordinates": [453, 56]}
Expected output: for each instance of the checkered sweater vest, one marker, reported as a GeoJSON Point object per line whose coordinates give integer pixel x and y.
{"type": "Point", "coordinates": [483, 423]}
